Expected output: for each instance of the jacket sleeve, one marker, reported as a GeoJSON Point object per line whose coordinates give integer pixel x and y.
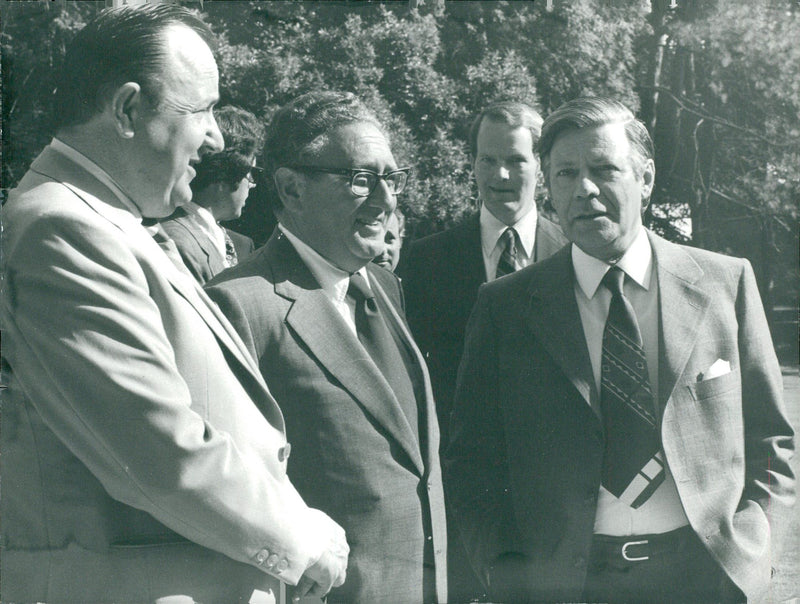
{"type": "Point", "coordinates": [769, 438]}
{"type": "Point", "coordinates": [476, 467]}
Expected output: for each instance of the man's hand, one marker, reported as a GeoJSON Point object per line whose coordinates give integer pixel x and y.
{"type": "Point", "coordinates": [330, 569]}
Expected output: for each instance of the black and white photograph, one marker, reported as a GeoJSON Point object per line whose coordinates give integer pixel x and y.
{"type": "Point", "coordinates": [399, 301]}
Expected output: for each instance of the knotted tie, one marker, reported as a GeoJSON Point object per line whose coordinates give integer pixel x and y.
{"type": "Point", "coordinates": [230, 251]}
{"type": "Point", "coordinates": [374, 335]}
{"type": "Point", "coordinates": [507, 263]}
{"type": "Point", "coordinates": [632, 441]}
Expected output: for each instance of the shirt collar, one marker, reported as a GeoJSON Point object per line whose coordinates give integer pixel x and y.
{"type": "Point", "coordinates": [492, 229]}
{"type": "Point", "coordinates": [333, 280]}
{"type": "Point", "coordinates": [637, 262]}
{"type": "Point", "coordinates": [96, 171]}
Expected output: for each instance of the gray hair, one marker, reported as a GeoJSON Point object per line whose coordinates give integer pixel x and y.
{"type": "Point", "coordinates": [588, 112]}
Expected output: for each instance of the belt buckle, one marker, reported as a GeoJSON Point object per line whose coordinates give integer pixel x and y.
{"type": "Point", "coordinates": [628, 558]}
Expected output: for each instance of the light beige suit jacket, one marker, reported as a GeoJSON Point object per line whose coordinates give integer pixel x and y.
{"type": "Point", "coordinates": [143, 455]}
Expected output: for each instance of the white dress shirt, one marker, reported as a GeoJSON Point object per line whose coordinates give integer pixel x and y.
{"type": "Point", "coordinates": [492, 247]}
{"type": "Point", "coordinates": [663, 511]}
{"type": "Point", "coordinates": [333, 280]}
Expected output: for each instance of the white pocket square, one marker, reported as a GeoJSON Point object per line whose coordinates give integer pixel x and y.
{"type": "Point", "coordinates": [718, 368]}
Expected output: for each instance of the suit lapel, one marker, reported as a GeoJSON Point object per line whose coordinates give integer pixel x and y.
{"type": "Point", "coordinates": [317, 323]}
{"type": "Point", "coordinates": [431, 424]}
{"type": "Point", "coordinates": [472, 249]}
{"type": "Point", "coordinates": [105, 202]}
{"type": "Point", "coordinates": [682, 304]}
{"type": "Point", "coordinates": [554, 317]}
{"type": "Point", "coordinates": [216, 262]}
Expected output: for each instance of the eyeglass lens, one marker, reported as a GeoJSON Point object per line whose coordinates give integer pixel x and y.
{"type": "Point", "coordinates": [363, 183]}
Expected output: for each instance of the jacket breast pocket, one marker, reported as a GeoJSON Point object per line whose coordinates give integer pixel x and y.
{"type": "Point", "coordinates": [721, 385]}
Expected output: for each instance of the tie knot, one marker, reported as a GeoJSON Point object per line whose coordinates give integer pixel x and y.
{"type": "Point", "coordinates": [509, 238]}
{"type": "Point", "coordinates": [358, 288]}
{"type": "Point", "coordinates": [614, 279]}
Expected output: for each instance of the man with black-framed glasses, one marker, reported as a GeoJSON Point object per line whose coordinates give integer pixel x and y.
{"type": "Point", "coordinates": [219, 192]}
{"type": "Point", "coordinates": [328, 328]}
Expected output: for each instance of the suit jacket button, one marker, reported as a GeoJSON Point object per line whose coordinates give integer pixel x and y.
{"type": "Point", "coordinates": [580, 561]}
{"type": "Point", "coordinates": [262, 556]}
{"type": "Point", "coordinates": [283, 452]}
{"type": "Point", "coordinates": [282, 565]}
{"type": "Point", "coordinates": [272, 560]}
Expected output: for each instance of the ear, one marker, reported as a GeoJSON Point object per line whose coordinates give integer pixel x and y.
{"type": "Point", "coordinates": [291, 187]}
{"type": "Point", "coordinates": [126, 106]}
{"type": "Point", "coordinates": [648, 181]}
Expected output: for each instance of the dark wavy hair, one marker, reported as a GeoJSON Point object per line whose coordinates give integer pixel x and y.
{"type": "Point", "coordinates": [243, 134]}
{"type": "Point", "coordinates": [123, 44]}
{"type": "Point", "coordinates": [298, 130]}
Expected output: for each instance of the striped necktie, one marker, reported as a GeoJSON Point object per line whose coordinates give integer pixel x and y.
{"type": "Point", "coordinates": [632, 445]}
{"type": "Point", "coordinates": [508, 259]}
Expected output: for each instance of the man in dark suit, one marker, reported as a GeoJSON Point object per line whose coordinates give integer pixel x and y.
{"type": "Point", "coordinates": [219, 192]}
{"type": "Point", "coordinates": [144, 458]}
{"type": "Point", "coordinates": [328, 328]}
{"type": "Point", "coordinates": [619, 432]}
{"type": "Point", "coordinates": [442, 272]}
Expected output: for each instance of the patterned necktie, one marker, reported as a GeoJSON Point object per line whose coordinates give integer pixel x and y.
{"type": "Point", "coordinates": [632, 446]}
{"type": "Point", "coordinates": [507, 263]}
{"type": "Point", "coordinates": [230, 251]}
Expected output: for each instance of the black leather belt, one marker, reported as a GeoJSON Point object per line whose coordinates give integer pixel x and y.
{"type": "Point", "coordinates": [633, 548]}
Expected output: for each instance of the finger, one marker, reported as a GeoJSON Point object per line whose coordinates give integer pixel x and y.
{"type": "Point", "coordinates": [304, 585]}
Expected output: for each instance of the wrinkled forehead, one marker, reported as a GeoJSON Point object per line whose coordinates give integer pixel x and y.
{"type": "Point", "coordinates": [359, 145]}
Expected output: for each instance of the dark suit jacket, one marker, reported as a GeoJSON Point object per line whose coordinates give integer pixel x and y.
{"type": "Point", "coordinates": [441, 276]}
{"type": "Point", "coordinates": [354, 452]}
{"type": "Point", "coordinates": [143, 455]}
{"type": "Point", "coordinates": [524, 460]}
{"type": "Point", "coordinates": [198, 252]}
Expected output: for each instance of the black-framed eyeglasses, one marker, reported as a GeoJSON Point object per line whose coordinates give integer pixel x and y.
{"type": "Point", "coordinates": [251, 174]}
{"type": "Point", "coordinates": [363, 182]}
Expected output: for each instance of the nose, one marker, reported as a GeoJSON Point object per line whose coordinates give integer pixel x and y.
{"type": "Point", "coordinates": [383, 197]}
{"type": "Point", "coordinates": [504, 173]}
{"type": "Point", "coordinates": [213, 142]}
{"type": "Point", "coordinates": [586, 187]}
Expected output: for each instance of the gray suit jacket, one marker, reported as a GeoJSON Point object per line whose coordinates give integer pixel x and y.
{"type": "Point", "coordinates": [354, 452]}
{"type": "Point", "coordinates": [143, 455]}
{"type": "Point", "coordinates": [524, 460]}
{"type": "Point", "coordinates": [198, 252]}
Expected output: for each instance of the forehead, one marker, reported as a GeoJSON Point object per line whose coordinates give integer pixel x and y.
{"type": "Point", "coordinates": [499, 137]}
{"type": "Point", "coordinates": [594, 144]}
{"type": "Point", "coordinates": [189, 64]}
{"type": "Point", "coordinates": [357, 145]}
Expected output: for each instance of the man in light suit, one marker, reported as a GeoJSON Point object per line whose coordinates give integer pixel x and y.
{"type": "Point", "coordinates": [557, 393]}
{"type": "Point", "coordinates": [144, 458]}
{"type": "Point", "coordinates": [219, 192]}
{"type": "Point", "coordinates": [442, 272]}
{"type": "Point", "coordinates": [359, 404]}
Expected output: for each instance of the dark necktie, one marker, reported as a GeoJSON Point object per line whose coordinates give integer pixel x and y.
{"type": "Point", "coordinates": [507, 263]}
{"type": "Point", "coordinates": [632, 440]}
{"type": "Point", "coordinates": [382, 346]}
{"type": "Point", "coordinates": [230, 250]}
